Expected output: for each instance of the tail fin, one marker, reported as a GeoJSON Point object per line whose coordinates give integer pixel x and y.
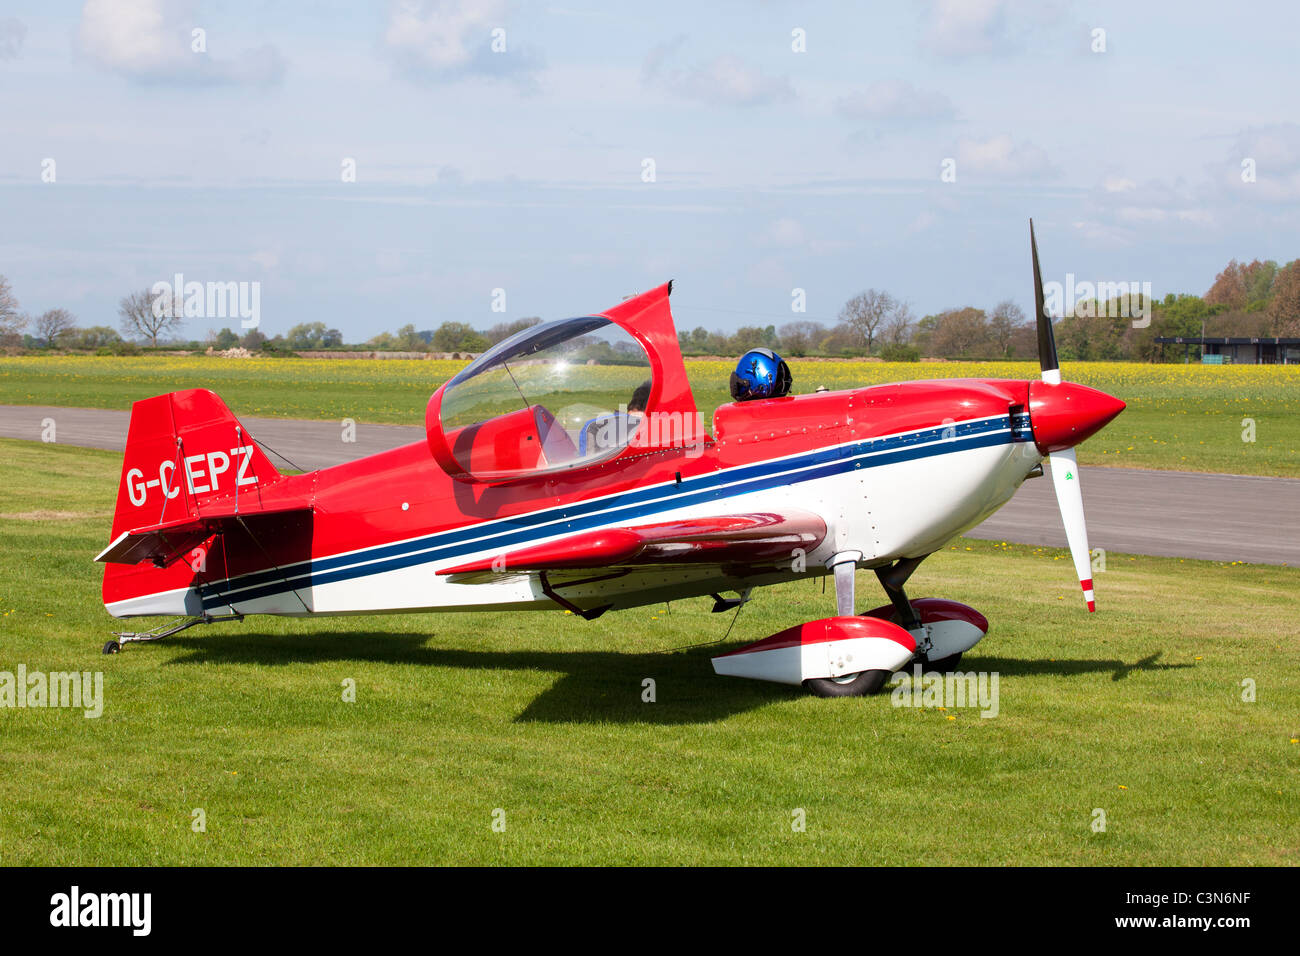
{"type": "Point", "coordinates": [192, 477]}
{"type": "Point", "coordinates": [187, 455]}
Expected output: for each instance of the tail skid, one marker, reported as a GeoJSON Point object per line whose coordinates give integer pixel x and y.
{"type": "Point", "coordinates": [162, 630]}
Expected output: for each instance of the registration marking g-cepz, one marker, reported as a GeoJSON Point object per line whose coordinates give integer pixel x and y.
{"type": "Point", "coordinates": [199, 471]}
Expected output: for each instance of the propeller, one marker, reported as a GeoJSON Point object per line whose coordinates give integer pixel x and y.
{"type": "Point", "coordinates": [1063, 461]}
{"type": "Point", "coordinates": [1047, 360]}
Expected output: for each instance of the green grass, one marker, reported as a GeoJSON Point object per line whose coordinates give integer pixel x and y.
{"type": "Point", "coordinates": [1135, 710]}
{"type": "Point", "coordinates": [1189, 418]}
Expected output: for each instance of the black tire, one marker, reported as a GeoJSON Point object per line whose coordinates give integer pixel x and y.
{"type": "Point", "coordinates": [944, 665]}
{"type": "Point", "coordinates": [112, 647]}
{"type": "Point", "coordinates": [861, 684]}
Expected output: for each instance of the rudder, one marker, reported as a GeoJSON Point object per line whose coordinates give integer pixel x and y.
{"type": "Point", "coordinates": [185, 450]}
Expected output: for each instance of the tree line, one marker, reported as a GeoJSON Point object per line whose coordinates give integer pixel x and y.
{"type": "Point", "coordinates": [1255, 299]}
{"type": "Point", "coordinates": [142, 324]}
{"type": "Point", "coordinates": [1259, 298]}
{"type": "Point", "coordinates": [875, 323]}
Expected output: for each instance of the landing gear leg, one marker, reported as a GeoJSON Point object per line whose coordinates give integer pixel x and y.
{"type": "Point", "coordinates": [892, 579]}
{"type": "Point", "coordinates": [845, 573]}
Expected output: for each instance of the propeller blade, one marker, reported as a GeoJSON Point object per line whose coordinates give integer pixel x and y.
{"type": "Point", "coordinates": [1047, 360]}
{"type": "Point", "coordinates": [1065, 480]}
{"type": "Point", "coordinates": [1086, 413]}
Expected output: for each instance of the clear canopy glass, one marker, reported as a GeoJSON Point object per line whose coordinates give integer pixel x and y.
{"type": "Point", "coordinates": [556, 395]}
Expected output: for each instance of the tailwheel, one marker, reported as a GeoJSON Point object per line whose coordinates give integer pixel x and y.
{"type": "Point", "coordinates": [112, 647]}
{"type": "Point", "coordinates": [861, 684]}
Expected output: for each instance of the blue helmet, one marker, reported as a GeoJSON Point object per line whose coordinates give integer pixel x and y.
{"type": "Point", "coordinates": [761, 374]}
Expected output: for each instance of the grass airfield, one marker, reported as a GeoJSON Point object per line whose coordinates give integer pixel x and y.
{"type": "Point", "coordinates": [1136, 710]}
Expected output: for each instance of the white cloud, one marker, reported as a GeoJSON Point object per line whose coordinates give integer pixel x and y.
{"type": "Point", "coordinates": [136, 38]}
{"type": "Point", "coordinates": [729, 80]}
{"type": "Point", "coordinates": [452, 39]}
{"type": "Point", "coordinates": [894, 100]}
{"type": "Point", "coordinates": [960, 28]}
{"type": "Point", "coordinates": [150, 41]}
{"type": "Point", "coordinates": [1001, 158]}
{"type": "Point", "coordinates": [1122, 211]}
{"type": "Point", "coordinates": [964, 27]}
{"type": "Point", "coordinates": [12, 33]}
{"type": "Point", "coordinates": [444, 36]}
{"type": "Point", "coordinates": [1176, 212]}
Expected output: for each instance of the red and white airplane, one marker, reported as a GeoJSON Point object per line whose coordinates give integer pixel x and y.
{"type": "Point", "coordinates": [568, 468]}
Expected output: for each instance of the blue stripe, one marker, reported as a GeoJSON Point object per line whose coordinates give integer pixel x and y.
{"type": "Point", "coordinates": [621, 508]}
{"type": "Point", "coordinates": [580, 509]}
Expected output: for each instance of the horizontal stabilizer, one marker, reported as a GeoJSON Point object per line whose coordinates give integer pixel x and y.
{"type": "Point", "coordinates": [164, 544]}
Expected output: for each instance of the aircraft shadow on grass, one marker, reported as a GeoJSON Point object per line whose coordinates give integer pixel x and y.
{"type": "Point", "coordinates": [1008, 666]}
{"type": "Point", "coordinates": [593, 686]}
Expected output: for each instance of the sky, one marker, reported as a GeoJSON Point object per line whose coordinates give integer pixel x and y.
{"type": "Point", "coordinates": [822, 147]}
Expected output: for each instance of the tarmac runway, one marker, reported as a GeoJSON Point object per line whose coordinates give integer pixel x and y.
{"type": "Point", "coordinates": [1172, 513]}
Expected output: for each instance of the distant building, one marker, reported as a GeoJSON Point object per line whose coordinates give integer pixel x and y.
{"type": "Point", "coordinates": [1219, 350]}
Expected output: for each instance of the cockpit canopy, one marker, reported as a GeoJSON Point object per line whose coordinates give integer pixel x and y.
{"type": "Point", "coordinates": [558, 395]}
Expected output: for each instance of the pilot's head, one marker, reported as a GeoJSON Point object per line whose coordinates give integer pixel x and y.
{"type": "Point", "coordinates": [640, 398]}
{"type": "Point", "coordinates": [761, 373]}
